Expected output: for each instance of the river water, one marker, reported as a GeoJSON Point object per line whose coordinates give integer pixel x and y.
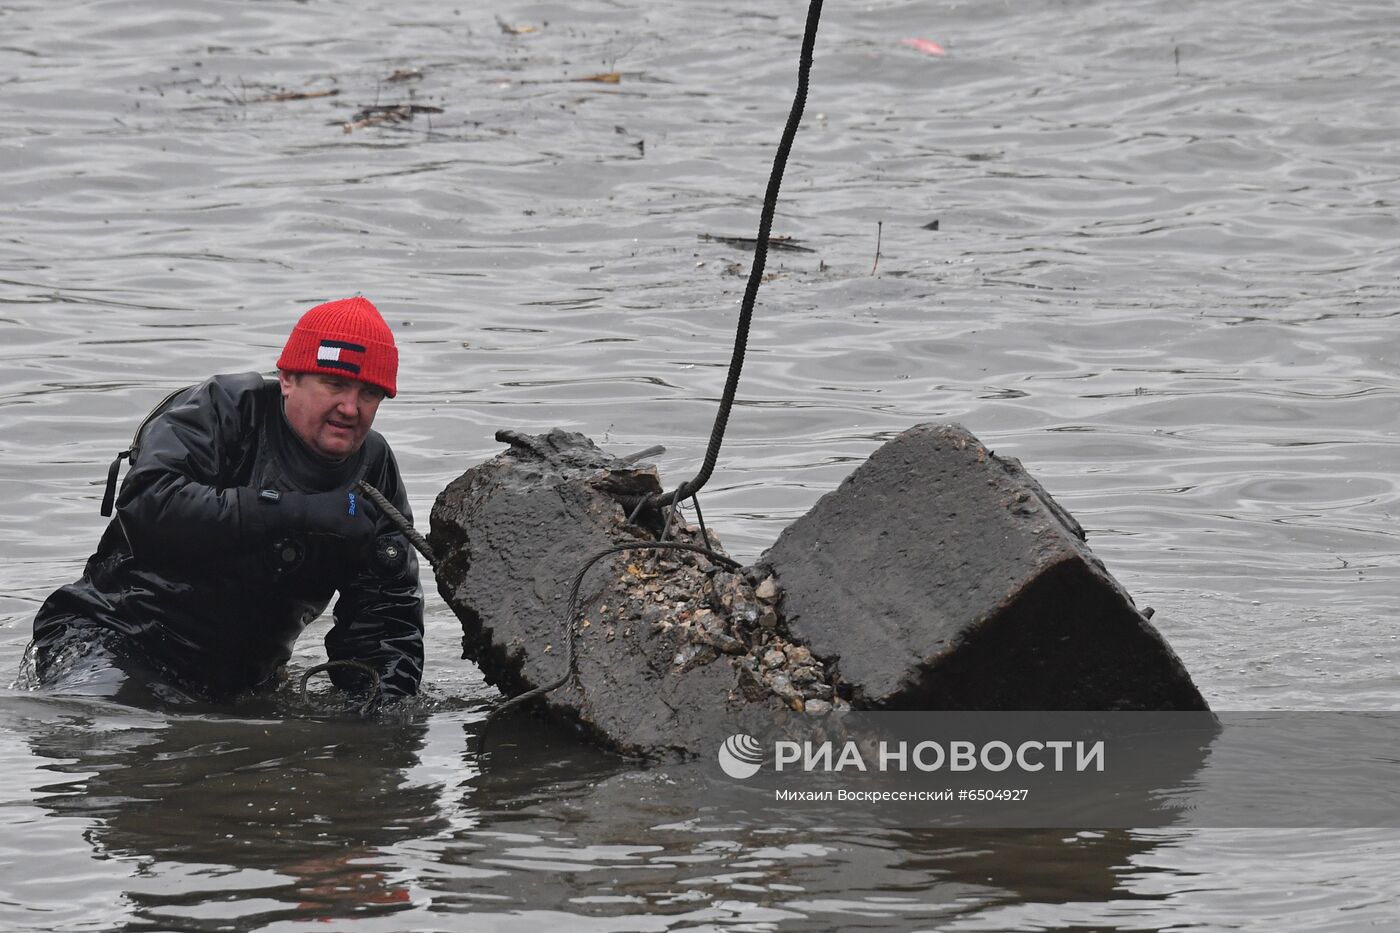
{"type": "Point", "coordinates": [1164, 275]}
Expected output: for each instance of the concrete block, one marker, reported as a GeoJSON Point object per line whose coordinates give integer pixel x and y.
{"type": "Point", "coordinates": [940, 576]}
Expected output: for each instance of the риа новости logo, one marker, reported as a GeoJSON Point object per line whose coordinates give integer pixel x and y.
{"type": "Point", "coordinates": [740, 756]}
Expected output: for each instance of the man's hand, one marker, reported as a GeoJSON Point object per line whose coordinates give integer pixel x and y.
{"type": "Point", "coordinates": [340, 515]}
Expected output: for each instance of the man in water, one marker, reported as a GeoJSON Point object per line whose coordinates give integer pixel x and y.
{"type": "Point", "coordinates": [238, 520]}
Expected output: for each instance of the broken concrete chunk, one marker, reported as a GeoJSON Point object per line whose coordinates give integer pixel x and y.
{"type": "Point", "coordinates": [940, 576]}
{"type": "Point", "coordinates": [666, 655]}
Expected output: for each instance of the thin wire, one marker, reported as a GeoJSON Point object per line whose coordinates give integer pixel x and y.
{"type": "Point", "coordinates": [665, 533]}
{"type": "Point", "coordinates": [700, 518]}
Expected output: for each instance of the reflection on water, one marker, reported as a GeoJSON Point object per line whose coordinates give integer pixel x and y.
{"type": "Point", "coordinates": [294, 810]}
{"type": "Point", "coordinates": [1164, 276]}
{"type": "Point", "coordinates": [323, 820]}
{"type": "Point", "coordinates": [259, 821]}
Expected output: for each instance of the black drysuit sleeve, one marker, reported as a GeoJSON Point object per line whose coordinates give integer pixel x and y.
{"type": "Point", "coordinates": [379, 616]}
{"type": "Point", "coordinates": [180, 503]}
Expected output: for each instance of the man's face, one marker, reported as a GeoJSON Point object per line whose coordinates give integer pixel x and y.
{"type": "Point", "coordinates": [330, 414]}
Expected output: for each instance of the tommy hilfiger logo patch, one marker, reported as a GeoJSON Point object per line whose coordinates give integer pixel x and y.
{"type": "Point", "coordinates": [337, 354]}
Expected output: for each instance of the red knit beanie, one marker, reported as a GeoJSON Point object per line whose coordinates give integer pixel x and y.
{"type": "Point", "coordinates": [346, 338]}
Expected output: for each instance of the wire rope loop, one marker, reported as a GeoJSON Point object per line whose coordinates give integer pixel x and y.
{"type": "Point", "coordinates": [376, 691]}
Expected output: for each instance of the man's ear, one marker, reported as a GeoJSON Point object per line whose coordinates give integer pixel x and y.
{"type": "Point", "coordinates": [287, 380]}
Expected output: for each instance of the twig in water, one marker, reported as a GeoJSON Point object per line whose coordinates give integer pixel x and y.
{"type": "Point", "coordinates": [879, 233]}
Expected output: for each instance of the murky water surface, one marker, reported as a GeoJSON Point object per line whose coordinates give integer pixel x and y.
{"type": "Point", "coordinates": [1164, 275]}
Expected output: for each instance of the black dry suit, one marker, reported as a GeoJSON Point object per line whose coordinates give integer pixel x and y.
{"type": "Point", "coordinates": [193, 578]}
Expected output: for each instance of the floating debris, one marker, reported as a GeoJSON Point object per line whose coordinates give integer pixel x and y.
{"type": "Point", "coordinates": [745, 242]}
{"type": "Point", "coordinates": [607, 77]}
{"type": "Point", "coordinates": [379, 114]}
{"type": "Point", "coordinates": [927, 46]}
{"type": "Point", "coordinates": [281, 96]}
{"type": "Point", "coordinates": [406, 74]}
{"type": "Point", "coordinates": [521, 30]}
